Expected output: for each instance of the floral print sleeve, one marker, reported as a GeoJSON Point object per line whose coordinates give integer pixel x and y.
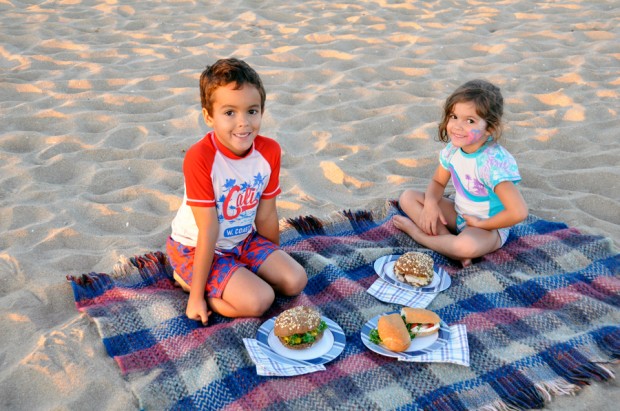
{"type": "Point", "coordinates": [446, 154]}
{"type": "Point", "coordinates": [496, 165]}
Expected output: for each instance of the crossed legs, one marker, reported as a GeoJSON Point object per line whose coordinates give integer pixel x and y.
{"type": "Point", "coordinates": [470, 243]}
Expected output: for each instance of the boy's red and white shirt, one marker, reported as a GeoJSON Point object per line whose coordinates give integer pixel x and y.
{"type": "Point", "coordinates": [216, 177]}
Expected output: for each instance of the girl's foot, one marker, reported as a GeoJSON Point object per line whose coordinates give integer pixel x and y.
{"type": "Point", "coordinates": [407, 226]}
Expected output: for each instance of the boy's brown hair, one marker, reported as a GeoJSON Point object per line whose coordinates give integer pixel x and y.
{"type": "Point", "coordinates": [226, 71]}
{"type": "Point", "coordinates": [488, 101]}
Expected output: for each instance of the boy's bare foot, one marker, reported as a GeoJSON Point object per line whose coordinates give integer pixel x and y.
{"type": "Point", "coordinates": [180, 282]}
{"type": "Point", "coordinates": [466, 262]}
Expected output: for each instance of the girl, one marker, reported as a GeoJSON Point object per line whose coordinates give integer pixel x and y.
{"type": "Point", "coordinates": [487, 202]}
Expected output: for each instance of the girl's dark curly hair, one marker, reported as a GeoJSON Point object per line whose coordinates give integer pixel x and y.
{"type": "Point", "coordinates": [489, 106]}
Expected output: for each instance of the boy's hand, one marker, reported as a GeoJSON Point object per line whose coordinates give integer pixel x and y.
{"type": "Point", "coordinates": [198, 311]}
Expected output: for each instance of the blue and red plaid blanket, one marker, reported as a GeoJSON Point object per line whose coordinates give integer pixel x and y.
{"type": "Point", "coordinates": [542, 317]}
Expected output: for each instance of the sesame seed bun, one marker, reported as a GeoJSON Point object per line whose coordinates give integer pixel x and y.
{"type": "Point", "coordinates": [297, 320]}
{"type": "Point", "coordinates": [415, 269]}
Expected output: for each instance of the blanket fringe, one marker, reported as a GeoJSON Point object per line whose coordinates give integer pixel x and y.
{"type": "Point", "coordinates": [124, 268]}
{"type": "Point", "coordinates": [130, 272]}
{"type": "Point", "coordinates": [148, 266]}
{"type": "Point", "coordinates": [610, 343]}
{"type": "Point", "coordinates": [551, 389]}
{"type": "Point", "coordinates": [91, 280]}
{"type": "Point", "coordinates": [359, 219]}
{"type": "Point", "coordinates": [547, 390]}
{"type": "Point", "coordinates": [309, 225]}
{"type": "Point", "coordinates": [577, 369]}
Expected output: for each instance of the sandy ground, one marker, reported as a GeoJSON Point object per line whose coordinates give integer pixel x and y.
{"type": "Point", "coordinates": [99, 101]}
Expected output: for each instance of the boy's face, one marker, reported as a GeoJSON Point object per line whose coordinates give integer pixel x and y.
{"type": "Point", "coordinates": [235, 117]}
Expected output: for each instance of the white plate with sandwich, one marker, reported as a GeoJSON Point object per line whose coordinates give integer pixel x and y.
{"type": "Point", "coordinates": [424, 278]}
{"type": "Point", "coordinates": [420, 331]}
{"type": "Point", "coordinates": [301, 333]}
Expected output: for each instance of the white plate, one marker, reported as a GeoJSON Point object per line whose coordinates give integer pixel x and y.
{"type": "Point", "coordinates": [419, 345]}
{"type": "Point", "coordinates": [384, 267]}
{"type": "Point", "coordinates": [325, 350]}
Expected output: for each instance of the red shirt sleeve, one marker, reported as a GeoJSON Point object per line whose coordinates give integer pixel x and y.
{"type": "Point", "coordinates": [197, 167]}
{"type": "Point", "coordinates": [271, 151]}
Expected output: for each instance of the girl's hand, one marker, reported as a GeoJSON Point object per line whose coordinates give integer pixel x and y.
{"type": "Point", "coordinates": [472, 221]}
{"type": "Point", "coordinates": [197, 310]}
{"type": "Point", "coordinates": [430, 217]}
{"type": "Point", "coordinates": [514, 212]}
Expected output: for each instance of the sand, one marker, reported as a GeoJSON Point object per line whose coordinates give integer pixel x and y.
{"type": "Point", "coordinates": [100, 101]}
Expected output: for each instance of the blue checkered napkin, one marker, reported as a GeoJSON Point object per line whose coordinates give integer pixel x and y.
{"type": "Point", "coordinates": [455, 351]}
{"type": "Point", "coordinates": [389, 293]}
{"type": "Point", "coordinates": [268, 362]}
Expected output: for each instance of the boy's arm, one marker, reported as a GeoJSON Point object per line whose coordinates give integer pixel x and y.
{"type": "Point", "coordinates": [266, 221]}
{"type": "Point", "coordinates": [515, 209]}
{"type": "Point", "coordinates": [208, 227]}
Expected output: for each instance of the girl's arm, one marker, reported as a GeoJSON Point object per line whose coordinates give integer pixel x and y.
{"type": "Point", "coordinates": [515, 209]}
{"type": "Point", "coordinates": [266, 220]}
{"type": "Point", "coordinates": [431, 212]}
{"type": "Point", "coordinates": [208, 227]}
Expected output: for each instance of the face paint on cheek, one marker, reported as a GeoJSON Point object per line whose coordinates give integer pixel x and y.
{"type": "Point", "coordinates": [474, 136]}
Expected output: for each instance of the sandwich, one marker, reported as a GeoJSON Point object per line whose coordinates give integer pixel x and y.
{"type": "Point", "coordinates": [420, 322]}
{"type": "Point", "coordinates": [414, 268]}
{"type": "Point", "coordinates": [395, 331]}
{"type": "Point", "coordinates": [391, 332]}
{"type": "Point", "coordinates": [299, 327]}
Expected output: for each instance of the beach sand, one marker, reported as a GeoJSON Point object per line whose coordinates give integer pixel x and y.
{"type": "Point", "coordinates": [100, 101]}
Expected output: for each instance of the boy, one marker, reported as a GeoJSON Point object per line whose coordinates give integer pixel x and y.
{"type": "Point", "coordinates": [225, 235]}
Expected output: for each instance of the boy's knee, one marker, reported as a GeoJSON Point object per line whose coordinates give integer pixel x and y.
{"type": "Point", "coordinates": [295, 282]}
{"type": "Point", "coordinates": [258, 303]}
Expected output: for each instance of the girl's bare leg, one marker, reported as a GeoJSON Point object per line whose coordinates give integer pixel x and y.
{"type": "Point", "coordinates": [470, 243]}
{"type": "Point", "coordinates": [412, 203]}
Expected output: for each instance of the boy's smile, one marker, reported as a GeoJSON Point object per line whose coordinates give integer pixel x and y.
{"type": "Point", "coordinates": [236, 116]}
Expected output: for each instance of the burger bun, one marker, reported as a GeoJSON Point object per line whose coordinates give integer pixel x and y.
{"type": "Point", "coordinates": [297, 320]}
{"type": "Point", "coordinates": [414, 268]}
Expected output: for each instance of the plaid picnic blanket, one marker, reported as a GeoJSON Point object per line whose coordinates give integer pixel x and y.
{"type": "Point", "coordinates": [542, 317]}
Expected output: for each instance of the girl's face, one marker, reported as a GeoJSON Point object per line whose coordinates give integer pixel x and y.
{"type": "Point", "coordinates": [465, 128]}
{"type": "Point", "coordinates": [236, 116]}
